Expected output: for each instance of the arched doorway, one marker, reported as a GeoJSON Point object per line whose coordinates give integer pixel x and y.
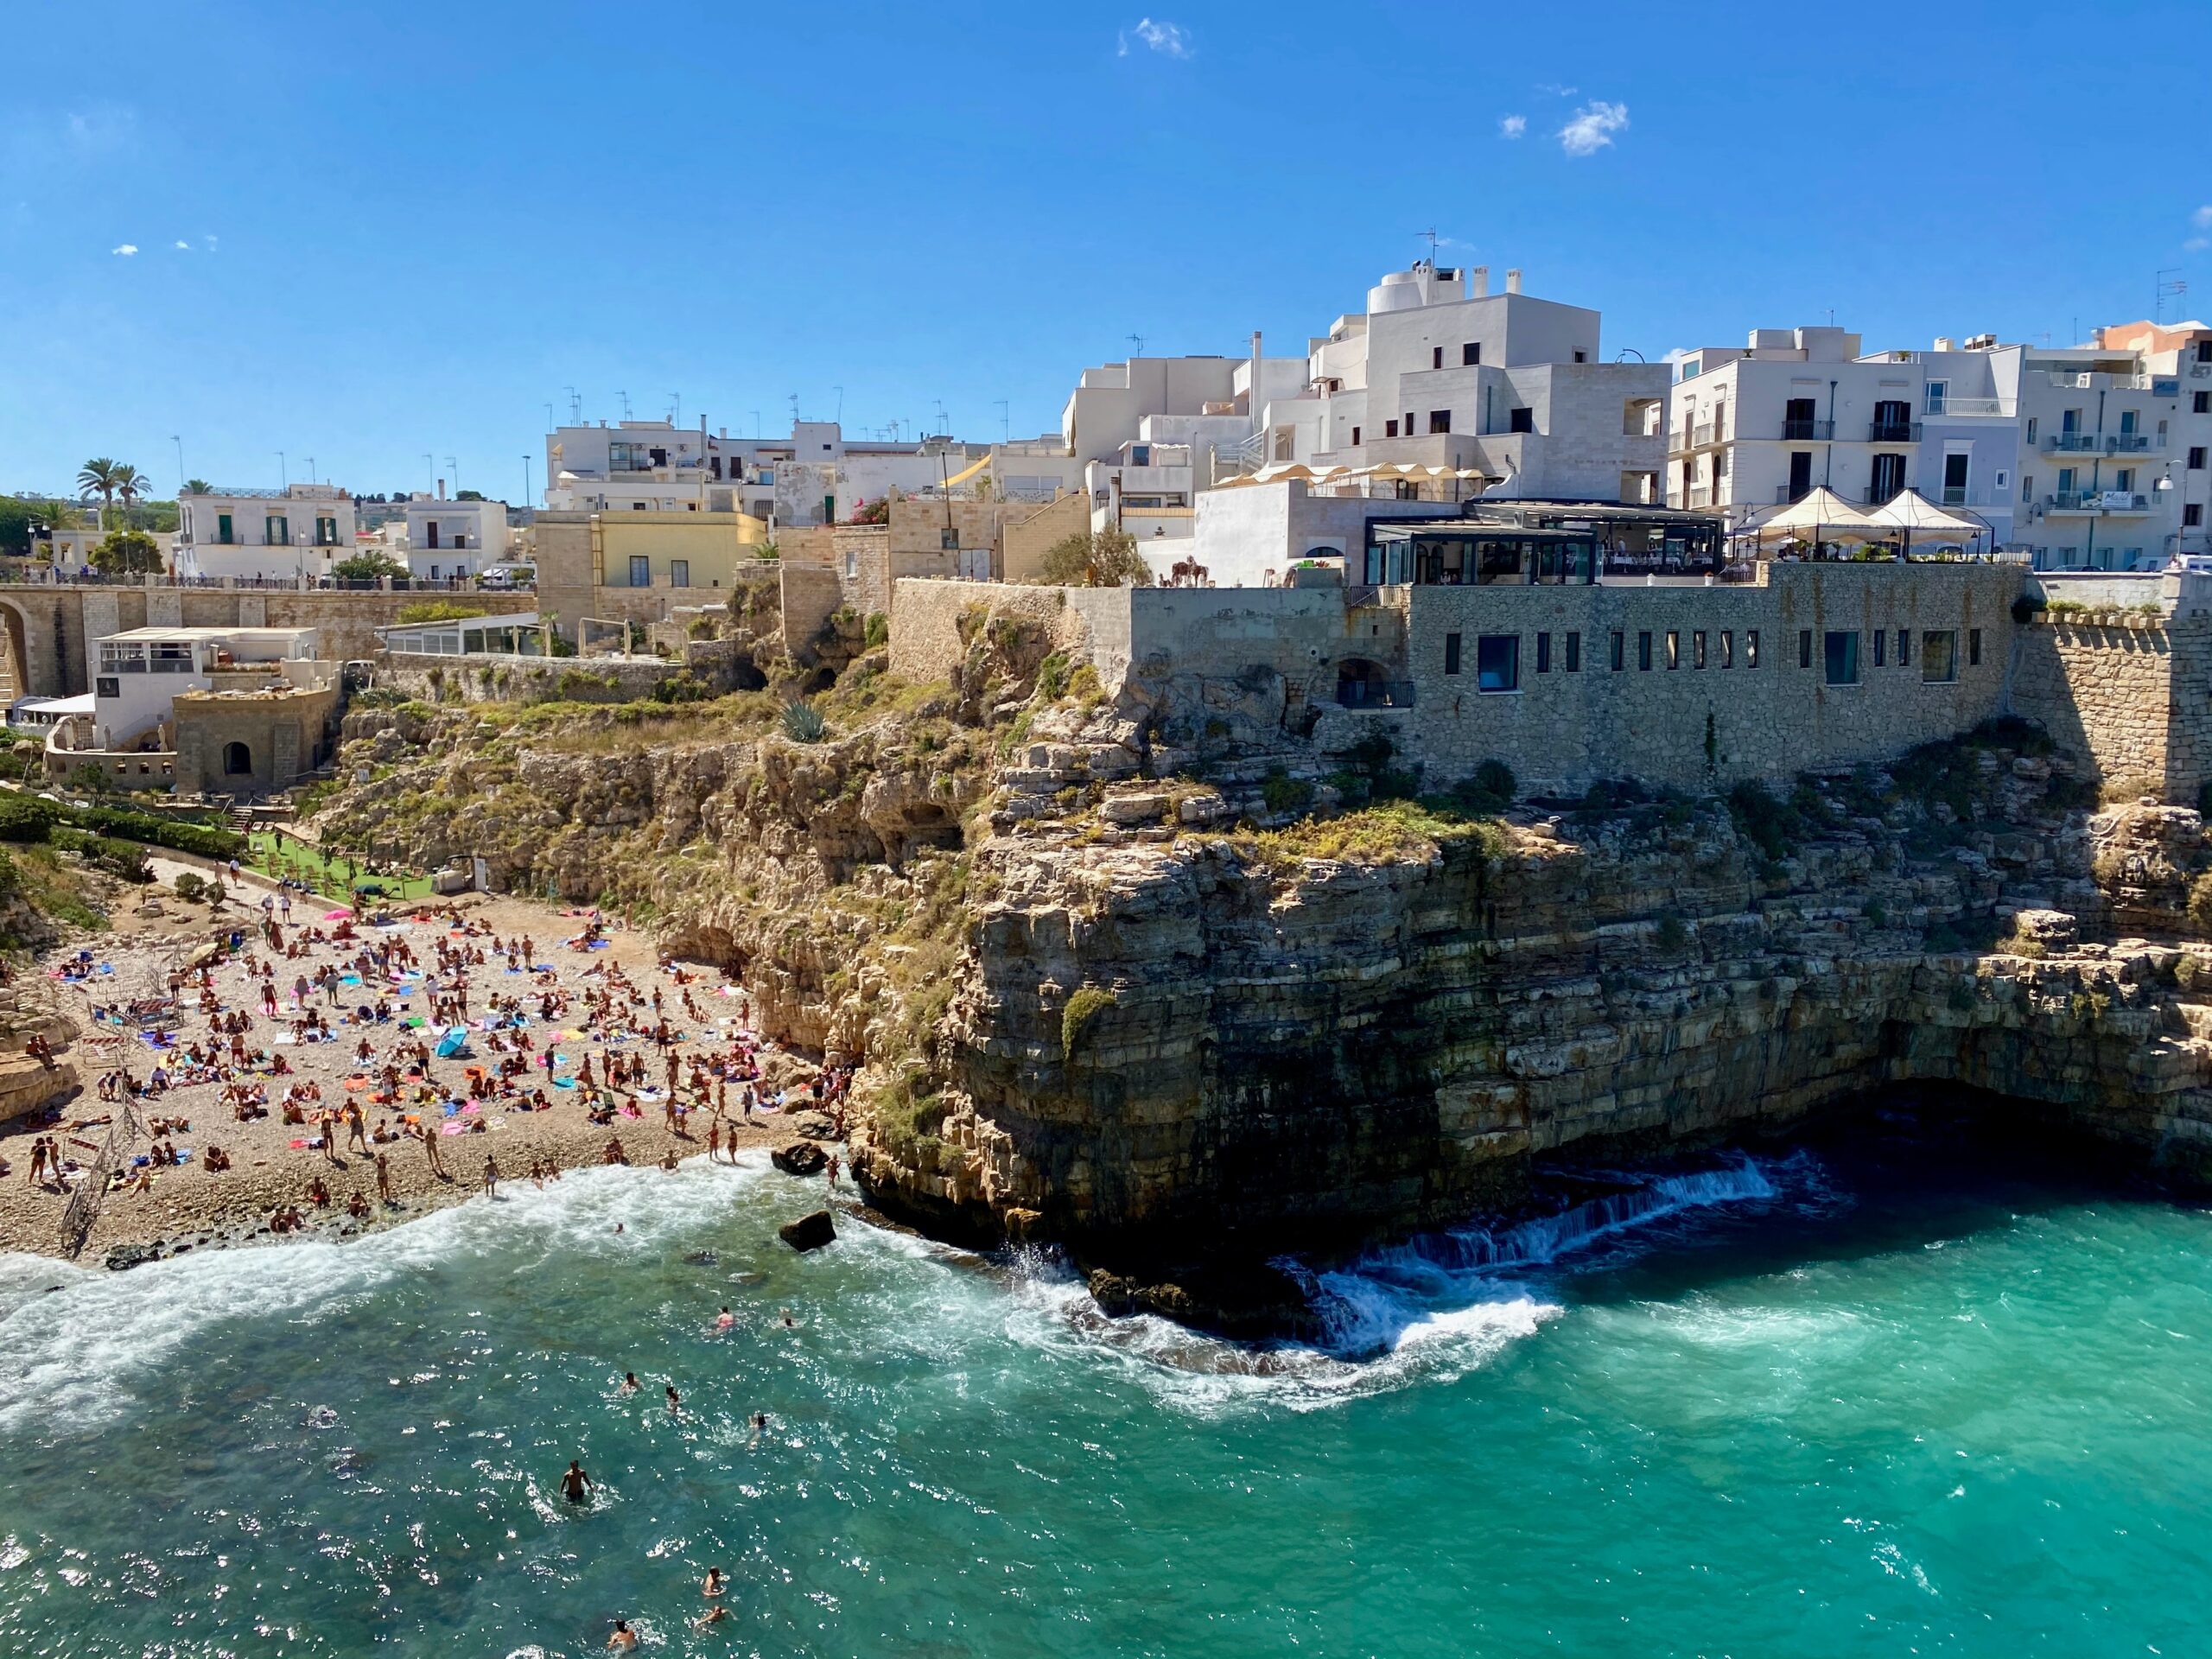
{"type": "Point", "coordinates": [15, 655]}
{"type": "Point", "coordinates": [237, 760]}
{"type": "Point", "coordinates": [1364, 685]}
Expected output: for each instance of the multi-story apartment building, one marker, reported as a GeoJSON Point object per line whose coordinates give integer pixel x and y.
{"type": "Point", "coordinates": [1754, 427]}
{"type": "Point", "coordinates": [1438, 372]}
{"type": "Point", "coordinates": [453, 538]}
{"type": "Point", "coordinates": [2180, 352]}
{"type": "Point", "coordinates": [299, 531]}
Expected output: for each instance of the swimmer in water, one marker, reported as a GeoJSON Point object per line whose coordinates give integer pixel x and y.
{"type": "Point", "coordinates": [576, 1485]}
{"type": "Point", "coordinates": [724, 1319]}
{"type": "Point", "coordinates": [621, 1638]}
{"type": "Point", "coordinates": [630, 1383]}
{"type": "Point", "coordinates": [713, 1615]}
{"type": "Point", "coordinates": [760, 1425]}
{"type": "Point", "coordinates": [714, 1585]}
{"type": "Point", "coordinates": [675, 1402]}
{"type": "Point", "coordinates": [790, 1324]}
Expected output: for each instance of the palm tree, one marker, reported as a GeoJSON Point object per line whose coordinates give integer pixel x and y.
{"type": "Point", "coordinates": [197, 486]}
{"type": "Point", "coordinates": [99, 476]}
{"type": "Point", "coordinates": [129, 484]}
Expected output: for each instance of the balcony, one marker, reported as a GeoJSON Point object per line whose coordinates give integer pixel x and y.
{"type": "Point", "coordinates": [1701, 495]}
{"type": "Point", "coordinates": [1949, 408]}
{"type": "Point", "coordinates": [1786, 493]}
{"type": "Point", "coordinates": [2096, 501]}
{"type": "Point", "coordinates": [2132, 443]}
{"type": "Point", "coordinates": [1807, 431]}
{"type": "Point", "coordinates": [1893, 432]}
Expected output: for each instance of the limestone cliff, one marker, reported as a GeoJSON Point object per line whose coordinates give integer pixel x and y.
{"type": "Point", "coordinates": [1156, 976]}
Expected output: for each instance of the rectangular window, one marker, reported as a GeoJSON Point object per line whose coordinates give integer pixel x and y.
{"type": "Point", "coordinates": [679, 573]}
{"type": "Point", "coordinates": [1644, 652]}
{"type": "Point", "coordinates": [1804, 647]}
{"type": "Point", "coordinates": [1728, 647]}
{"type": "Point", "coordinates": [2197, 458]}
{"type": "Point", "coordinates": [2200, 402]}
{"type": "Point", "coordinates": [1409, 423]}
{"type": "Point", "coordinates": [641, 571]}
{"type": "Point", "coordinates": [1440, 420]}
{"type": "Point", "coordinates": [1543, 653]}
{"type": "Point", "coordinates": [1673, 649]}
{"type": "Point", "coordinates": [2193, 514]}
{"type": "Point", "coordinates": [276, 532]}
{"type": "Point", "coordinates": [1620, 652]}
{"type": "Point", "coordinates": [1939, 656]}
{"type": "Point", "coordinates": [1523, 419]}
{"type": "Point", "coordinates": [1881, 646]}
{"type": "Point", "coordinates": [1842, 655]}
{"type": "Point", "coordinates": [1470, 353]}
{"type": "Point", "coordinates": [224, 533]}
{"type": "Point", "coordinates": [1389, 428]}
{"type": "Point", "coordinates": [1497, 662]}
{"type": "Point", "coordinates": [2032, 431]}
{"type": "Point", "coordinates": [1905, 647]}
{"type": "Point", "coordinates": [1436, 357]}
{"type": "Point", "coordinates": [1450, 653]}
{"type": "Point", "coordinates": [1355, 437]}
{"type": "Point", "coordinates": [1751, 648]}
{"type": "Point", "coordinates": [1574, 652]}
{"type": "Point", "coordinates": [1974, 647]}
{"type": "Point", "coordinates": [948, 541]}
{"type": "Point", "coordinates": [2027, 486]}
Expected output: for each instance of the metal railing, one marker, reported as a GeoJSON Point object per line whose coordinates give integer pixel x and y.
{"type": "Point", "coordinates": [1893, 432]}
{"type": "Point", "coordinates": [2132, 443]}
{"type": "Point", "coordinates": [2097, 501]}
{"type": "Point", "coordinates": [1955, 406]}
{"type": "Point", "coordinates": [1785, 493]}
{"type": "Point", "coordinates": [1803, 431]}
{"type": "Point", "coordinates": [2074, 443]}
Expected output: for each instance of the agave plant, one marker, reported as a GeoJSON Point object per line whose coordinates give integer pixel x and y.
{"type": "Point", "coordinates": [803, 723]}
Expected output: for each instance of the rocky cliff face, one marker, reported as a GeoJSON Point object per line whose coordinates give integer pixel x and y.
{"type": "Point", "coordinates": [1093, 1002]}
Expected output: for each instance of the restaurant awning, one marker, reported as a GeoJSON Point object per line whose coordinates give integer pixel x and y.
{"type": "Point", "coordinates": [1910, 509]}
{"type": "Point", "coordinates": [1818, 510]}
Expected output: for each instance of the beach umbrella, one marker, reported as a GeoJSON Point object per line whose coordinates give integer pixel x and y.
{"type": "Point", "coordinates": [456, 1042]}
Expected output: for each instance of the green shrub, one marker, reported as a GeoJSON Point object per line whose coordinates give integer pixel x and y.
{"type": "Point", "coordinates": [1490, 789]}
{"type": "Point", "coordinates": [1084, 1006]}
{"type": "Point", "coordinates": [1670, 935]}
{"type": "Point", "coordinates": [1284, 793]}
{"type": "Point", "coordinates": [190, 886]}
{"type": "Point", "coordinates": [185, 834]}
{"type": "Point", "coordinates": [26, 818]}
{"type": "Point", "coordinates": [803, 723]}
{"type": "Point", "coordinates": [877, 631]}
{"type": "Point", "coordinates": [2200, 905]}
{"type": "Point", "coordinates": [1774, 827]}
{"type": "Point", "coordinates": [1053, 677]}
{"type": "Point", "coordinates": [122, 858]}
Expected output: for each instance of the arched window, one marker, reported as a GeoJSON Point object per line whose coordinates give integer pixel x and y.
{"type": "Point", "coordinates": [237, 760]}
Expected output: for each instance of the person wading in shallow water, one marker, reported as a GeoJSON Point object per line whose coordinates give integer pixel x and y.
{"type": "Point", "coordinates": [576, 1485]}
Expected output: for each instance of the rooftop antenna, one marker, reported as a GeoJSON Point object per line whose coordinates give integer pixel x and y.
{"type": "Point", "coordinates": [943, 421]}
{"type": "Point", "coordinates": [311, 479]}
{"type": "Point", "coordinates": [283, 479]}
{"type": "Point", "coordinates": [549, 417]}
{"type": "Point", "coordinates": [1136, 340]}
{"type": "Point", "coordinates": [840, 391]}
{"type": "Point", "coordinates": [430, 466]}
{"type": "Point", "coordinates": [794, 400]}
{"type": "Point", "coordinates": [2167, 285]}
{"type": "Point", "coordinates": [756, 426]}
{"type": "Point", "coordinates": [576, 406]}
{"type": "Point", "coordinates": [453, 472]}
{"type": "Point", "coordinates": [1006, 429]}
{"type": "Point", "coordinates": [675, 407]}
{"type": "Point", "coordinates": [625, 396]}
{"type": "Point", "coordinates": [1431, 234]}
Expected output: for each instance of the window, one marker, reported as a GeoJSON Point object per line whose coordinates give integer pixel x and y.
{"type": "Point", "coordinates": [1673, 649]}
{"type": "Point", "coordinates": [1497, 662]}
{"type": "Point", "coordinates": [1409, 423]}
{"type": "Point", "coordinates": [1620, 654]}
{"type": "Point", "coordinates": [1939, 656]}
{"type": "Point", "coordinates": [2193, 514]}
{"type": "Point", "coordinates": [1888, 476]}
{"type": "Point", "coordinates": [1436, 358]}
{"type": "Point", "coordinates": [1574, 652]}
{"type": "Point", "coordinates": [948, 541]}
{"type": "Point", "coordinates": [641, 571]}
{"type": "Point", "coordinates": [1974, 647]}
{"type": "Point", "coordinates": [1697, 648]}
{"type": "Point", "coordinates": [2032, 431]}
{"type": "Point", "coordinates": [1728, 647]}
{"type": "Point", "coordinates": [1582, 357]}
{"type": "Point", "coordinates": [1904, 648]}
{"type": "Point", "coordinates": [1389, 428]}
{"type": "Point", "coordinates": [275, 531]}
{"type": "Point", "coordinates": [224, 534]}
{"type": "Point", "coordinates": [2027, 486]}
{"type": "Point", "coordinates": [1751, 648]}
{"type": "Point", "coordinates": [1355, 437]}
{"type": "Point", "coordinates": [326, 533]}
{"type": "Point", "coordinates": [1523, 419]}
{"type": "Point", "coordinates": [1450, 653]}
{"type": "Point", "coordinates": [1938, 394]}
{"type": "Point", "coordinates": [679, 573]}
{"type": "Point", "coordinates": [2200, 402]}
{"type": "Point", "coordinates": [1804, 647]}
{"type": "Point", "coordinates": [1842, 654]}
{"type": "Point", "coordinates": [1440, 420]}
{"type": "Point", "coordinates": [1543, 653]}
{"type": "Point", "coordinates": [2204, 351]}
{"type": "Point", "coordinates": [1881, 646]}
{"type": "Point", "coordinates": [1644, 652]}
{"type": "Point", "coordinates": [1470, 353]}
{"type": "Point", "coordinates": [2123, 479]}
{"type": "Point", "coordinates": [2197, 458]}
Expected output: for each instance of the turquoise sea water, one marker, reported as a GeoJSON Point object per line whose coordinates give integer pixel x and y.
{"type": "Point", "coordinates": [1873, 1397]}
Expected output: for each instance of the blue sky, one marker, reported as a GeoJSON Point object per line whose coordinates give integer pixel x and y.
{"type": "Point", "coordinates": [368, 233]}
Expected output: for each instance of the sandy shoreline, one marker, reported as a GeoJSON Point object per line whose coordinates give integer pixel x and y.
{"type": "Point", "coordinates": [190, 1206]}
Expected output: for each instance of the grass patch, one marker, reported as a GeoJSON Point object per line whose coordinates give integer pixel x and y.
{"type": "Point", "coordinates": [1082, 1010]}
{"type": "Point", "coordinates": [1388, 832]}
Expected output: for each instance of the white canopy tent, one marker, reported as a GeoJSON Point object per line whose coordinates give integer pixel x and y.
{"type": "Point", "coordinates": [1910, 511]}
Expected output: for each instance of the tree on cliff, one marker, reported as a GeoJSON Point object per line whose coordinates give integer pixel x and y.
{"type": "Point", "coordinates": [127, 553]}
{"type": "Point", "coordinates": [1102, 558]}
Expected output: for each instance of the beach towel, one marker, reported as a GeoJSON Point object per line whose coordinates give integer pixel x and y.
{"type": "Point", "coordinates": [455, 1128]}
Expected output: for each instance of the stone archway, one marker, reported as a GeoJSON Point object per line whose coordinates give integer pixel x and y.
{"type": "Point", "coordinates": [15, 655]}
{"type": "Point", "coordinates": [237, 760]}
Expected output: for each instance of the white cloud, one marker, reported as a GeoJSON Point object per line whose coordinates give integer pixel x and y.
{"type": "Point", "coordinates": [181, 247]}
{"type": "Point", "coordinates": [126, 250]}
{"type": "Point", "coordinates": [1513, 126]}
{"type": "Point", "coordinates": [1593, 128]}
{"type": "Point", "coordinates": [2202, 219]}
{"type": "Point", "coordinates": [2197, 243]}
{"type": "Point", "coordinates": [1554, 90]}
{"type": "Point", "coordinates": [1170, 39]}
{"type": "Point", "coordinates": [210, 241]}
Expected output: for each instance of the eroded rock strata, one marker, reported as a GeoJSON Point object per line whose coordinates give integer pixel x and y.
{"type": "Point", "coordinates": [1148, 975]}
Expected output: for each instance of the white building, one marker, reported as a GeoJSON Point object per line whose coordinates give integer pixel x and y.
{"type": "Point", "coordinates": [137, 675]}
{"type": "Point", "coordinates": [1755, 427]}
{"type": "Point", "coordinates": [1438, 372]}
{"type": "Point", "coordinates": [453, 538]}
{"type": "Point", "coordinates": [299, 531]}
{"type": "Point", "coordinates": [2181, 352]}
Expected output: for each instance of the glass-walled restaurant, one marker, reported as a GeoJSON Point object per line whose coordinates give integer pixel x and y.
{"type": "Point", "coordinates": [1540, 543]}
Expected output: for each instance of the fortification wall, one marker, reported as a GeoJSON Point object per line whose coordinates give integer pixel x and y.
{"type": "Point", "coordinates": [1089, 624]}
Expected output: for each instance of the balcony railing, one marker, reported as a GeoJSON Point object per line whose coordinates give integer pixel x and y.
{"type": "Point", "coordinates": [2131, 444]}
{"type": "Point", "coordinates": [2097, 501]}
{"type": "Point", "coordinates": [1803, 431]}
{"type": "Point", "coordinates": [2074, 443]}
{"type": "Point", "coordinates": [1950, 406]}
{"type": "Point", "coordinates": [1786, 493]}
{"type": "Point", "coordinates": [1701, 495]}
{"type": "Point", "coordinates": [1893, 432]}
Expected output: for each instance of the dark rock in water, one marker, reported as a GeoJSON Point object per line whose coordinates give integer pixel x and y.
{"type": "Point", "coordinates": [124, 1257]}
{"type": "Point", "coordinates": [699, 1259]}
{"type": "Point", "coordinates": [814, 1125]}
{"type": "Point", "coordinates": [1244, 1301]}
{"type": "Point", "coordinates": [808, 1232]}
{"type": "Point", "coordinates": [799, 1158]}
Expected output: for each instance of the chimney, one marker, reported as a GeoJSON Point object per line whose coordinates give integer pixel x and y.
{"type": "Point", "coordinates": [1942, 342]}
{"type": "Point", "coordinates": [1478, 286]}
{"type": "Point", "coordinates": [1513, 280]}
{"type": "Point", "coordinates": [441, 489]}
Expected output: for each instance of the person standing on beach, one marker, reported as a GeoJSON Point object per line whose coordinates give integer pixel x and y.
{"type": "Point", "coordinates": [431, 1150]}
{"type": "Point", "coordinates": [384, 1179]}
{"type": "Point", "coordinates": [491, 1177]}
